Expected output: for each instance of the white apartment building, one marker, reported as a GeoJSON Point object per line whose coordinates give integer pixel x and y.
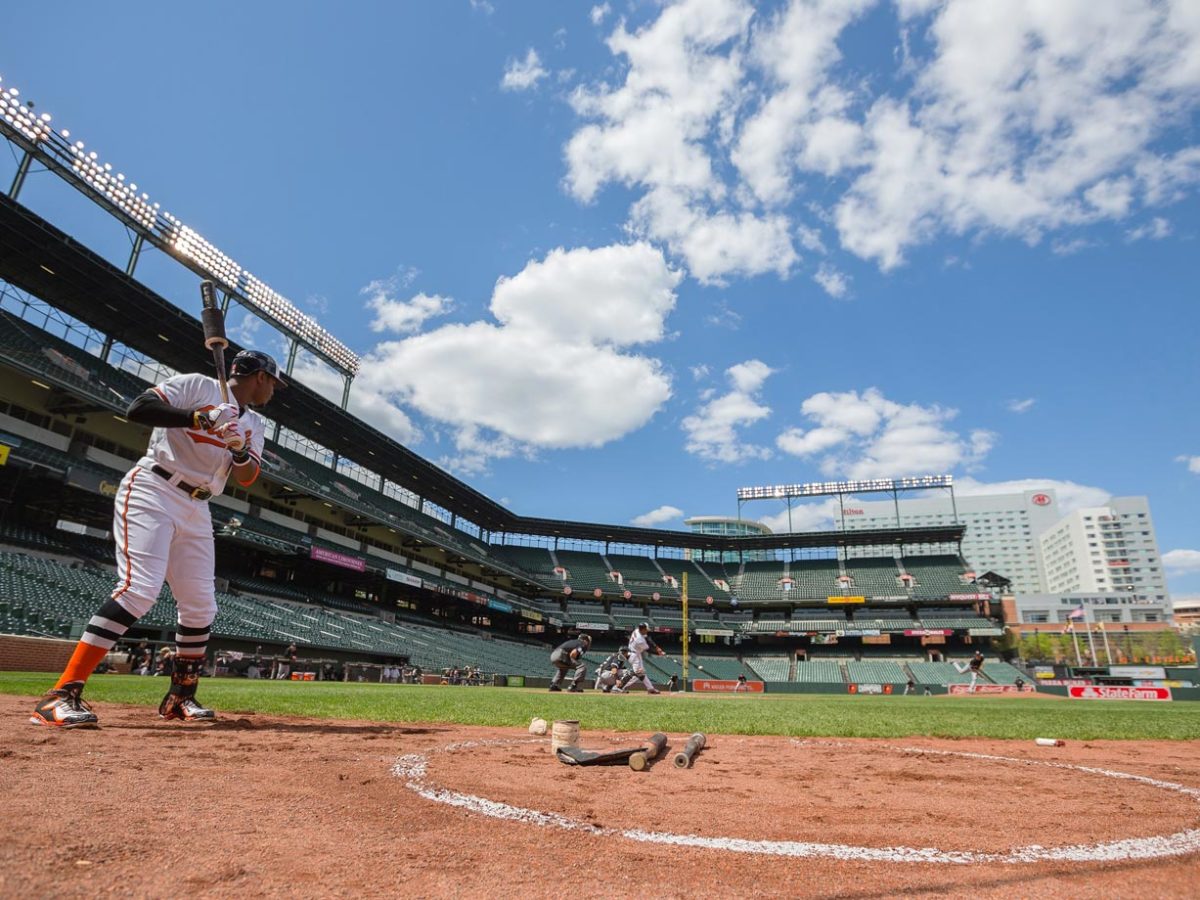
{"type": "Point", "coordinates": [1108, 608]}
{"type": "Point", "coordinates": [1002, 529]}
{"type": "Point", "coordinates": [1103, 550]}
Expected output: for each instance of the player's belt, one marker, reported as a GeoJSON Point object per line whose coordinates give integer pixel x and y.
{"type": "Point", "coordinates": [196, 493]}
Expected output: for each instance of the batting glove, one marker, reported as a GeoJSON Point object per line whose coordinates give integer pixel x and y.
{"type": "Point", "coordinates": [231, 434]}
{"type": "Point", "coordinates": [215, 416]}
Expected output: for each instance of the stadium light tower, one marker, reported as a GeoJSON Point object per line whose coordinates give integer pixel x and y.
{"type": "Point", "coordinates": [841, 489]}
{"type": "Point", "coordinates": [82, 168]}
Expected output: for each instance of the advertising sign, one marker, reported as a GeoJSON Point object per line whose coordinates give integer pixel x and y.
{"type": "Point", "coordinates": [321, 554]}
{"type": "Point", "coordinates": [985, 632]}
{"type": "Point", "coordinates": [727, 687]}
{"type": "Point", "coordinates": [591, 626]}
{"type": "Point", "coordinates": [1113, 692]}
{"type": "Point", "coordinates": [969, 596]}
{"type": "Point", "coordinates": [1151, 672]}
{"type": "Point", "coordinates": [403, 578]}
{"type": "Point", "coordinates": [870, 688]}
{"type": "Point", "coordinates": [715, 632]}
{"type": "Point", "coordinates": [990, 689]}
{"type": "Point", "coordinates": [499, 605]}
{"type": "Point", "coordinates": [845, 599]}
{"type": "Point", "coordinates": [927, 632]}
{"type": "Point", "coordinates": [531, 614]}
{"type": "Point", "coordinates": [86, 479]}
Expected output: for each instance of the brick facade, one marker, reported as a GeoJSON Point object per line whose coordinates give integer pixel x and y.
{"type": "Point", "coordinates": [32, 654]}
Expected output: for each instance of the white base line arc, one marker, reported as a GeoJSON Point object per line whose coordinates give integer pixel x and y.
{"type": "Point", "coordinates": [413, 770]}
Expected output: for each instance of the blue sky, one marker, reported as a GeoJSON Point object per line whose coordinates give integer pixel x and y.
{"type": "Point", "coordinates": [611, 262]}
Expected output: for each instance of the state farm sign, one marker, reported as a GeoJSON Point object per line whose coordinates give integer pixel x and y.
{"type": "Point", "coordinates": [1113, 692]}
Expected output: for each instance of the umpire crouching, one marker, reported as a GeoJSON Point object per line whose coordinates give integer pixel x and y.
{"type": "Point", "coordinates": [569, 655]}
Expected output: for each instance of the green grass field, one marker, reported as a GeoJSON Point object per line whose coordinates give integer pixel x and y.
{"type": "Point", "coordinates": [817, 715]}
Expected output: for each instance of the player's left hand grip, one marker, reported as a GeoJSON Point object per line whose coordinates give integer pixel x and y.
{"type": "Point", "coordinates": [214, 327]}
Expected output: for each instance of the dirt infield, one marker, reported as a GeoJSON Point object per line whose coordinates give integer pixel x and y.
{"type": "Point", "coordinates": [295, 807]}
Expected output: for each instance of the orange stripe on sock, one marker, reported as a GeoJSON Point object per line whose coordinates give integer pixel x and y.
{"type": "Point", "coordinates": [83, 662]}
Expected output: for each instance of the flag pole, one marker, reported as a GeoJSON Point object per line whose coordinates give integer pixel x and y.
{"type": "Point", "coordinates": [1075, 641]}
{"type": "Point", "coordinates": [1107, 649]}
{"type": "Point", "coordinates": [1091, 640]}
{"type": "Point", "coordinates": [685, 632]}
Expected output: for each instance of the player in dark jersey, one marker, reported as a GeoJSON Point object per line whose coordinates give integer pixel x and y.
{"type": "Point", "coordinates": [567, 656]}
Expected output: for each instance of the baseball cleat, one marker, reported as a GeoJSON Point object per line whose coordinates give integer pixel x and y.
{"type": "Point", "coordinates": [185, 710]}
{"type": "Point", "coordinates": [574, 689]}
{"type": "Point", "coordinates": [555, 687]}
{"type": "Point", "coordinates": [654, 691]}
{"type": "Point", "coordinates": [64, 708]}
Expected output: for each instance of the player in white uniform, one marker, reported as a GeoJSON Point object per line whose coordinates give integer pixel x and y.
{"type": "Point", "coordinates": [163, 531]}
{"type": "Point", "coordinates": [640, 642]}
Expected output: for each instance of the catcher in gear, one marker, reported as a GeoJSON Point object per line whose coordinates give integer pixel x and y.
{"type": "Point", "coordinates": [569, 655]}
{"type": "Point", "coordinates": [640, 642]}
{"type": "Point", "coordinates": [608, 676]}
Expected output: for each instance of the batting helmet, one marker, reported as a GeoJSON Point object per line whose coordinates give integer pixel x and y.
{"type": "Point", "coordinates": [247, 362]}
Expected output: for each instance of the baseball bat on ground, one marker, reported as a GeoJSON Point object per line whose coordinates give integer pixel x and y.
{"type": "Point", "coordinates": [684, 757]}
{"type": "Point", "coordinates": [650, 749]}
{"type": "Point", "coordinates": [214, 332]}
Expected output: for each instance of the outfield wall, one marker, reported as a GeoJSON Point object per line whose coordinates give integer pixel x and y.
{"type": "Point", "coordinates": [34, 654]}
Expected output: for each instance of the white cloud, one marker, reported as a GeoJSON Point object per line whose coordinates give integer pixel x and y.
{"type": "Point", "coordinates": [1020, 119]}
{"type": "Point", "coordinates": [819, 516]}
{"type": "Point", "coordinates": [402, 316]}
{"type": "Point", "coordinates": [810, 239]}
{"type": "Point", "coordinates": [869, 436]}
{"type": "Point", "coordinates": [657, 516]}
{"type": "Point", "coordinates": [1025, 118]}
{"type": "Point", "coordinates": [681, 89]}
{"type": "Point", "coordinates": [1070, 246]}
{"type": "Point", "coordinates": [800, 126]}
{"type": "Point", "coordinates": [1021, 406]}
{"type": "Point", "coordinates": [484, 6]}
{"type": "Point", "coordinates": [521, 75]}
{"type": "Point", "coordinates": [599, 13]}
{"type": "Point", "coordinates": [724, 317]}
{"type": "Point", "coordinates": [554, 368]}
{"type": "Point", "coordinates": [1071, 495]}
{"type": "Point", "coordinates": [1156, 229]}
{"type": "Point", "coordinates": [371, 396]}
{"type": "Point", "coordinates": [699, 371]}
{"type": "Point", "coordinates": [835, 283]}
{"type": "Point", "coordinates": [713, 430]}
{"type": "Point", "coordinates": [246, 331]}
{"type": "Point", "coordinates": [1193, 463]}
{"type": "Point", "coordinates": [1181, 562]}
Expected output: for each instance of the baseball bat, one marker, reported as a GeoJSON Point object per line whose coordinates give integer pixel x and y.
{"type": "Point", "coordinates": [214, 332]}
{"type": "Point", "coordinates": [650, 749]}
{"type": "Point", "coordinates": [684, 757]}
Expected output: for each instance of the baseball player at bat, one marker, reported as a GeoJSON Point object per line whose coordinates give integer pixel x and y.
{"type": "Point", "coordinates": [640, 642]}
{"type": "Point", "coordinates": [162, 528]}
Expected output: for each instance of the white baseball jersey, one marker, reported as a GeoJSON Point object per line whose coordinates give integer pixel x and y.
{"type": "Point", "coordinates": [199, 456]}
{"type": "Point", "coordinates": [638, 643]}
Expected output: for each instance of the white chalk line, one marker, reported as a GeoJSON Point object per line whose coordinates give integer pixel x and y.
{"type": "Point", "coordinates": [413, 769]}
